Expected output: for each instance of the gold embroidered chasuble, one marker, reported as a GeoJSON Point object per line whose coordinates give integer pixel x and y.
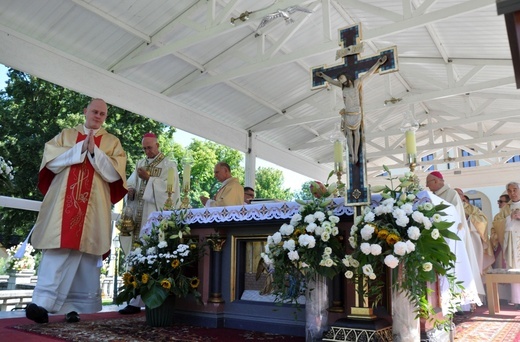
{"type": "Point", "coordinates": [76, 209]}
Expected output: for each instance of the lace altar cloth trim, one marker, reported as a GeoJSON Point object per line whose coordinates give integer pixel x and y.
{"type": "Point", "coordinates": [257, 212]}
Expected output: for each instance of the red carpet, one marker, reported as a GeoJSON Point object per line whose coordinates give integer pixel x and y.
{"type": "Point", "coordinates": [111, 326]}
{"type": "Point", "coordinates": [480, 326]}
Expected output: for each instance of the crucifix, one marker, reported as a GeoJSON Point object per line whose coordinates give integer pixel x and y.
{"type": "Point", "coordinates": [349, 76]}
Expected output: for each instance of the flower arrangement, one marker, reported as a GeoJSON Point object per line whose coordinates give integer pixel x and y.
{"type": "Point", "coordinates": [306, 246]}
{"type": "Point", "coordinates": [27, 262]}
{"type": "Point", "coordinates": [162, 263]}
{"type": "Point", "coordinates": [401, 231]}
{"type": "Point", "coordinates": [6, 173]}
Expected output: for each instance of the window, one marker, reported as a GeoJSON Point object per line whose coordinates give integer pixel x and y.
{"type": "Point", "coordinates": [514, 159]}
{"type": "Point", "coordinates": [428, 158]}
{"type": "Point", "coordinates": [470, 163]}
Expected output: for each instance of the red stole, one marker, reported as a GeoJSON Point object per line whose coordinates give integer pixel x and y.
{"type": "Point", "coordinates": [77, 194]}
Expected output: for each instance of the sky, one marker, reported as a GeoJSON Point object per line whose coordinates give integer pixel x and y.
{"type": "Point", "coordinates": [292, 179]}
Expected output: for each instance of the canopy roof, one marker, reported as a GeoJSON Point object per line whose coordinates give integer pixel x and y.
{"type": "Point", "coordinates": [185, 64]}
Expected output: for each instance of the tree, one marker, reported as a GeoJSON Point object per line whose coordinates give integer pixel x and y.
{"type": "Point", "coordinates": [205, 155]}
{"type": "Point", "coordinates": [33, 111]}
{"type": "Point", "coordinates": [305, 192]}
{"type": "Point", "coordinates": [269, 184]}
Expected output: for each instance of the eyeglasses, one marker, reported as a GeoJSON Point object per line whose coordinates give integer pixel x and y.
{"type": "Point", "coordinates": [499, 201]}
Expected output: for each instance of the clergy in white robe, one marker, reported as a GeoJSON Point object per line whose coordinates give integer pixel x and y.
{"type": "Point", "coordinates": [82, 173]}
{"type": "Point", "coordinates": [147, 193]}
{"type": "Point", "coordinates": [147, 184]}
{"type": "Point", "coordinates": [462, 269]}
{"type": "Point", "coordinates": [506, 224]}
{"type": "Point", "coordinates": [435, 183]}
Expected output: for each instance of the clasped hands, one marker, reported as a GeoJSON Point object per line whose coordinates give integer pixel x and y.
{"type": "Point", "coordinates": [515, 214]}
{"type": "Point", "coordinates": [89, 143]}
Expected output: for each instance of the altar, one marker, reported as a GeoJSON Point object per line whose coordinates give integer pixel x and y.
{"type": "Point", "coordinates": [229, 284]}
{"type": "Point", "coordinates": [232, 286]}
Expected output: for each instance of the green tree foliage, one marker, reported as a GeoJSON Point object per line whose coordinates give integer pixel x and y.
{"type": "Point", "coordinates": [205, 155]}
{"type": "Point", "coordinates": [305, 192]}
{"type": "Point", "coordinates": [269, 184]}
{"type": "Point", "coordinates": [33, 111]}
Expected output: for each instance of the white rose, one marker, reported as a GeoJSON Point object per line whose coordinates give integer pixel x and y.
{"type": "Point", "coordinates": [311, 227]}
{"type": "Point", "coordinates": [277, 238]}
{"type": "Point", "coordinates": [320, 216]}
{"type": "Point", "coordinates": [334, 219]}
{"type": "Point", "coordinates": [365, 248]}
{"type": "Point", "coordinates": [375, 249]}
{"type": "Point", "coordinates": [410, 246]}
{"type": "Point", "coordinates": [367, 269]}
{"type": "Point", "coordinates": [391, 261]}
{"type": "Point", "coordinates": [349, 274]}
{"type": "Point", "coordinates": [289, 245]}
{"type": "Point", "coordinates": [309, 219]}
{"type": "Point", "coordinates": [400, 248]}
{"type": "Point", "coordinates": [327, 251]}
{"type": "Point", "coordinates": [372, 276]}
{"type": "Point", "coordinates": [427, 266]}
{"type": "Point", "coordinates": [435, 234]}
{"type": "Point", "coordinates": [325, 236]}
{"type": "Point", "coordinates": [293, 255]}
{"type": "Point", "coordinates": [414, 232]}
{"type": "Point", "coordinates": [369, 217]}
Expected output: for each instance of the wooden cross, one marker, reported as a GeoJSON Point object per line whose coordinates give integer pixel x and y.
{"type": "Point", "coordinates": [357, 191]}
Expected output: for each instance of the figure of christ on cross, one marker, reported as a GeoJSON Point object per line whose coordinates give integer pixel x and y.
{"type": "Point", "coordinates": [349, 76]}
{"type": "Point", "coordinates": [351, 114]}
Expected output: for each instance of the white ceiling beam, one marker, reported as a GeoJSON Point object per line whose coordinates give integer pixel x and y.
{"type": "Point", "coordinates": [144, 37]}
{"type": "Point", "coordinates": [427, 18]}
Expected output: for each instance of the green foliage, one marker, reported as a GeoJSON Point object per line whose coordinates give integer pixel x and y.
{"type": "Point", "coordinates": [305, 192]}
{"type": "Point", "coordinates": [307, 246]}
{"type": "Point", "coordinates": [269, 184]}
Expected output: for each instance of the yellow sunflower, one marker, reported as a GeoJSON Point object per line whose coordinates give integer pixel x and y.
{"type": "Point", "coordinates": [392, 238]}
{"type": "Point", "coordinates": [165, 283]}
{"type": "Point", "coordinates": [144, 278]}
{"type": "Point", "coordinates": [194, 282]}
{"type": "Point", "coordinates": [176, 263]}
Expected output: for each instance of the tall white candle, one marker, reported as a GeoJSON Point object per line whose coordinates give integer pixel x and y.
{"type": "Point", "coordinates": [186, 172]}
{"type": "Point", "coordinates": [171, 179]}
{"type": "Point", "coordinates": [338, 152]}
{"type": "Point", "coordinates": [411, 147]}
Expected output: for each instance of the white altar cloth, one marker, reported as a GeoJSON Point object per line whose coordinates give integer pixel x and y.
{"type": "Point", "coordinates": [248, 212]}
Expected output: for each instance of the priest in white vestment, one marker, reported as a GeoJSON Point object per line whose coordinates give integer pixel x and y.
{"type": "Point", "coordinates": [462, 269]}
{"type": "Point", "coordinates": [506, 224]}
{"type": "Point", "coordinates": [435, 182]}
{"type": "Point", "coordinates": [147, 193]}
{"type": "Point", "coordinates": [82, 173]}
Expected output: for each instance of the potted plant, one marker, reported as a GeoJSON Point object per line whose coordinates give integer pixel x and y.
{"type": "Point", "coordinates": [161, 268]}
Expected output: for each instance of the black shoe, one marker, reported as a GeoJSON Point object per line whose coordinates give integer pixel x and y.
{"type": "Point", "coordinates": [72, 317]}
{"type": "Point", "coordinates": [36, 313]}
{"type": "Point", "coordinates": [130, 310]}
